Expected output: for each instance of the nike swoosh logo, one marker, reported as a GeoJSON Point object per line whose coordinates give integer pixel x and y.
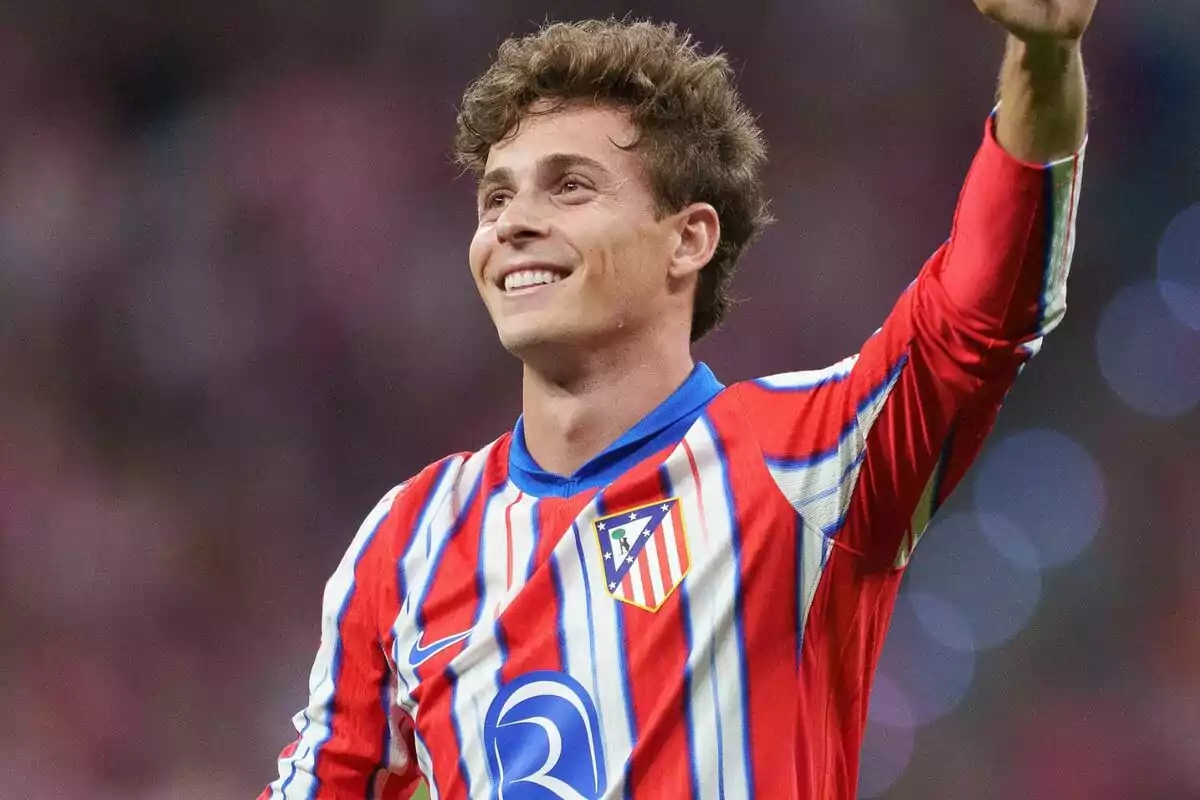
{"type": "Point", "coordinates": [419, 655]}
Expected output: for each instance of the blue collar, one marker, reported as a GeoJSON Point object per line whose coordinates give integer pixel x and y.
{"type": "Point", "coordinates": [666, 424]}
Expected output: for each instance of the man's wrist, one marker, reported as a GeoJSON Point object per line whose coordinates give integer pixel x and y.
{"type": "Point", "coordinates": [1044, 99]}
{"type": "Point", "coordinates": [1046, 62]}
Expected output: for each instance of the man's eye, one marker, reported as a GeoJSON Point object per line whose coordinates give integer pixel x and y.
{"type": "Point", "coordinates": [571, 185]}
{"type": "Point", "coordinates": [496, 199]}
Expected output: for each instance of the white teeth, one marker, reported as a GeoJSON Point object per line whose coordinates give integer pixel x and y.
{"type": "Point", "coordinates": [529, 277]}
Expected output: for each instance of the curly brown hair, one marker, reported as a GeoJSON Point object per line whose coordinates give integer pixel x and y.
{"type": "Point", "coordinates": [696, 138]}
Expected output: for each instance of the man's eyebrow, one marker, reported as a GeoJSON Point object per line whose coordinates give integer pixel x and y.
{"type": "Point", "coordinates": [492, 178]}
{"type": "Point", "coordinates": [560, 162]}
{"type": "Point", "coordinates": [555, 162]}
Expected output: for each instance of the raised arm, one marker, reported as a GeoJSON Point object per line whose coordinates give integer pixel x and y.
{"type": "Point", "coordinates": [867, 450]}
{"type": "Point", "coordinates": [1016, 214]}
{"type": "Point", "coordinates": [1043, 97]}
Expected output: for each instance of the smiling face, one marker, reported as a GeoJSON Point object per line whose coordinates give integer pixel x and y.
{"type": "Point", "coordinates": [570, 252]}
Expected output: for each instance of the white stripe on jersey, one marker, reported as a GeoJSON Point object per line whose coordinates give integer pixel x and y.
{"type": "Point", "coordinates": [808, 379]}
{"type": "Point", "coordinates": [820, 490]}
{"type": "Point", "coordinates": [635, 579]}
{"type": "Point", "coordinates": [1065, 177]}
{"type": "Point", "coordinates": [717, 705]}
{"type": "Point", "coordinates": [477, 667]}
{"type": "Point", "coordinates": [313, 723]}
{"type": "Point", "coordinates": [398, 755]}
{"type": "Point", "coordinates": [593, 644]}
{"type": "Point", "coordinates": [524, 542]}
{"type": "Point", "coordinates": [813, 548]}
{"type": "Point", "coordinates": [425, 762]}
{"type": "Point", "coordinates": [657, 590]}
{"type": "Point", "coordinates": [722, 608]}
{"type": "Point", "coordinates": [674, 560]}
{"type": "Point", "coordinates": [418, 564]}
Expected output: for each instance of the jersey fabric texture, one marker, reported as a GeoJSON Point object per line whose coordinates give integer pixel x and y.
{"type": "Point", "coordinates": [697, 612]}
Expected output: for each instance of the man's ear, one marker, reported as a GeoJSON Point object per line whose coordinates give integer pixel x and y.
{"type": "Point", "coordinates": [697, 231]}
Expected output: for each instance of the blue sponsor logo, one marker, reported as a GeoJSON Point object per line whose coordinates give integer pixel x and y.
{"type": "Point", "coordinates": [543, 740]}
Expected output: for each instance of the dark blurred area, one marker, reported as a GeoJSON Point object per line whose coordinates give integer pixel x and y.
{"type": "Point", "coordinates": [235, 310]}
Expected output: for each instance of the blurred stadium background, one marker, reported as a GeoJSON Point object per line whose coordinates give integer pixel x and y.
{"type": "Point", "coordinates": [234, 310]}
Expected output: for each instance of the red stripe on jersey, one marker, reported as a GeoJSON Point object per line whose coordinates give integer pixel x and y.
{"type": "Point", "coordinates": [643, 566]}
{"type": "Point", "coordinates": [396, 789]}
{"type": "Point", "coordinates": [529, 627]}
{"type": "Point", "coordinates": [393, 534]}
{"type": "Point", "coordinates": [994, 266]}
{"type": "Point", "coordinates": [346, 760]}
{"type": "Point", "coordinates": [402, 527]}
{"type": "Point", "coordinates": [661, 757]}
{"type": "Point", "coordinates": [767, 576]}
{"type": "Point", "coordinates": [845, 632]}
{"type": "Point", "coordinates": [780, 435]}
{"type": "Point", "coordinates": [556, 518]}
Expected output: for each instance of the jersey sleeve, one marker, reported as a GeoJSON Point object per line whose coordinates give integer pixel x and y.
{"type": "Point", "coordinates": [353, 741]}
{"type": "Point", "coordinates": [867, 450]}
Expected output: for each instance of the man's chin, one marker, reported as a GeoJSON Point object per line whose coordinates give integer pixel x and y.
{"type": "Point", "coordinates": [543, 346]}
{"type": "Point", "coordinates": [530, 341]}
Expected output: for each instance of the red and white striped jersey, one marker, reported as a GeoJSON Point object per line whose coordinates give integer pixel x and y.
{"type": "Point", "coordinates": [697, 612]}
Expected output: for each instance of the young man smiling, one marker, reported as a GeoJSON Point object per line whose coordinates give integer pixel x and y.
{"type": "Point", "coordinates": [656, 586]}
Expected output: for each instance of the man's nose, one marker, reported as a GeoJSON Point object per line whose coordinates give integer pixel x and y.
{"type": "Point", "coordinates": [522, 220]}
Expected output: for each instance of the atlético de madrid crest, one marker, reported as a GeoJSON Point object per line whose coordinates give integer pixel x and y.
{"type": "Point", "coordinates": [645, 552]}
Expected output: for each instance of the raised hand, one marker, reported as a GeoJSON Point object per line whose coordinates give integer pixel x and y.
{"type": "Point", "coordinates": [1031, 20]}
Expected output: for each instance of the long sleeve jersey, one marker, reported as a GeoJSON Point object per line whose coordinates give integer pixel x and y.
{"type": "Point", "coordinates": [698, 611]}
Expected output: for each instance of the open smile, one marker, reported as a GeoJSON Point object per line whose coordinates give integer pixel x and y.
{"type": "Point", "coordinates": [525, 280]}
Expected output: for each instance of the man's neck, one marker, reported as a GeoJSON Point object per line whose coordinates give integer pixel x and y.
{"type": "Point", "coordinates": [568, 423]}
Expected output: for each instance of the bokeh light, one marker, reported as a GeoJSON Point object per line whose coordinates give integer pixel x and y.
{"type": "Point", "coordinates": [888, 741]}
{"type": "Point", "coordinates": [1051, 490]}
{"type": "Point", "coordinates": [1179, 266]}
{"type": "Point", "coordinates": [932, 676]}
{"type": "Point", "coordinates": [943, 621]}
{"type": "Point", "coordinates": [1149, 358]}
{"type": "Point", "coordinates": [959, 566]}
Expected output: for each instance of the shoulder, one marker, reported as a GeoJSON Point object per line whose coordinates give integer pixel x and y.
{"type": "Point", "coordinates": [799, 381]}
{"type": "Point", "coordinates": [791, 414]}
{"type": "Point", "coordinates": [791, 393]}
{"type": "Point", "coordinates": [450, 474]}
{"type": "Point", "coordinates": [446, 483]}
